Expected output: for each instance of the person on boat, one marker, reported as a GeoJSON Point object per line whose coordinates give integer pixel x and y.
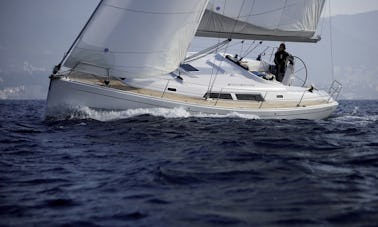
{"type": "Point", "coordinates": [280, 59]}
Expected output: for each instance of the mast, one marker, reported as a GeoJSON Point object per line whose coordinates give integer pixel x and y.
{"type": "Point", "coordinates": [58, 66]}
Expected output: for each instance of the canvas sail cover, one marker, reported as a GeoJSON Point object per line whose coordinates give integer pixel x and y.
{"type": "Point", "coordinates": [275, 20]}
{"type": "Point", "coordinates": [134, 38]}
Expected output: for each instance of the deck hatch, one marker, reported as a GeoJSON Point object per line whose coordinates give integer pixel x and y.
{"type": "Point", "coordinates": [188, 67]}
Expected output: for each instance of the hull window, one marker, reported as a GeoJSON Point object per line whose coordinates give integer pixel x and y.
{"type": "Point", "coordinates": [250, 97]}
{"type": "Point", "coordinates": [218, 95]}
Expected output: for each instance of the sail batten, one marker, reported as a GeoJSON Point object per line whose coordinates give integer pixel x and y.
{"type": "Point", "coordinates": [276, 20]}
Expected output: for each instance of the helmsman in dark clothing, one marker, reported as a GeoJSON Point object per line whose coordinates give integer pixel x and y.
{"type": "Point", "coordinates": [280, 59]}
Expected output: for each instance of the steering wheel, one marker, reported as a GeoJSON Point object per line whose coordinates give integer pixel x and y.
{"type": "Point", "coordinates": [300, 72]}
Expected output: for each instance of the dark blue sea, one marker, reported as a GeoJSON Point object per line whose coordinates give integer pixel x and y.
{"type": "Point", "coordinates": [169, 168]}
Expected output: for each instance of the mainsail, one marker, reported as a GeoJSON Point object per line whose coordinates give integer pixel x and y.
{"type": "Point", "coordinates": [275, 20]}
{"type": "Point", "coordinates": [136, 38]}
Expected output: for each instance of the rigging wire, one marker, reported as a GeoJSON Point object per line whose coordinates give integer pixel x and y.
{"type": "Point", "coordinates": [225, 50]}
{"type": "Point", "coordinates": [331, 41]}
{"type": "Point", "coordinates": [271, 54]}
{"type": "Point", "coordinates": [249, 14]}
{"type": "Point", "coordinates": [212, 68]}
{"type": "Point", "coordinates": [242, 46]}
{"type": "Point", "coordinates": [58, 66]}
{"type": "Point", "coordinates": [207, 51]}
{"type": "Point", "coordinates": [250, 46]}
{"type": "Point", "coordinates": [254, 48]}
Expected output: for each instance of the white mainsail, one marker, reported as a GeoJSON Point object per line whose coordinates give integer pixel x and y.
{"type": "Point", "coordinates": [276, 20]}
{"type": "Point", "coordinates": [134, 38]}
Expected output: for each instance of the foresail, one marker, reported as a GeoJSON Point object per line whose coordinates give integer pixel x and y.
{"type": "Point", "coordinates": [134, 38]}
{"type": "Point", "coordinates": [276, 20]}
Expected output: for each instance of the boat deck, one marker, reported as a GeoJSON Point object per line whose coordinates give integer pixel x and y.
{"type": "Point", "coordinates": [116, 83]}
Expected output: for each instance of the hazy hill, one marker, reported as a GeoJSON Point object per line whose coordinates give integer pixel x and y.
{"type": "Point", "coordinates": [355, 48]}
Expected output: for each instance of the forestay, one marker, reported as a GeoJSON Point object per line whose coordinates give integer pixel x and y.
{"type": "Point", "coordinates": [276, 20]}
{"type": "Point", "coordinates": [134, 38]}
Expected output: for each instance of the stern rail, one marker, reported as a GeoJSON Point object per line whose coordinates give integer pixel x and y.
{"type": "Point", "coordinates": [334, 90]}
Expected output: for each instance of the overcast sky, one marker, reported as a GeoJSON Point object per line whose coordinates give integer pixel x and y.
{"type": "Point", "coordinates": [352, 6]}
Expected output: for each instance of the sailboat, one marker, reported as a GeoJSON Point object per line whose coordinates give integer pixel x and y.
{"type": "Point", "coordinates": [133, 54]}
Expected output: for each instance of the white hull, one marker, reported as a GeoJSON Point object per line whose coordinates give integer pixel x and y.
{"type": "Point", "coordinates": [233, 90]}
{"type": "Point", "coordinates": [67, 94]}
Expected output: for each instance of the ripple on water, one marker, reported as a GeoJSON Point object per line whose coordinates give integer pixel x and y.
{"type": "Point", "coordinates": [160, 167]}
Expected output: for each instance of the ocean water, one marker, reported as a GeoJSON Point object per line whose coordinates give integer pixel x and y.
{"type": "Point", "coordinates": [163, 167]}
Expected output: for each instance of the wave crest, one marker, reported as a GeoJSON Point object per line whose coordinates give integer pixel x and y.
{"type": "Point", "coordinates": [112, 115]}
{"type": "Point", "coordinates": [353, 119]}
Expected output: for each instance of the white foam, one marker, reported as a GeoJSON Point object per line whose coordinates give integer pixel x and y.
{"type": "Point", "coordinates": [356, 117]}
{"type": "Point", "coordinates": [100, 115]}
{"type": "Point", "coordinates": [355, 110]}
{"type": "Point", "coordinates": [353, 119]}
{"type": "Point", "coordinates": [12, 92]}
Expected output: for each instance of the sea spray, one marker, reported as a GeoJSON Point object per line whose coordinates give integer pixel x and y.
{"type": "Point", "coordinates": [113, 115]}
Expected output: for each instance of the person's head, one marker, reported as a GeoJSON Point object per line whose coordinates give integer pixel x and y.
{"type": "Point", "coordinates": [282, 47]}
